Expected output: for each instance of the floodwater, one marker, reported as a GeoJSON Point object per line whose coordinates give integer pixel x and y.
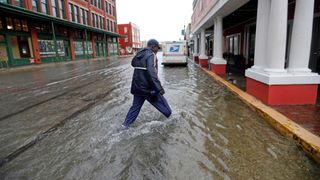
{"type": "Point", "coordinates": [210, 135]}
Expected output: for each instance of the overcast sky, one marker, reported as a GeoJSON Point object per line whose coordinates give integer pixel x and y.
{"type": "Point", "coordinates": [159, 19]}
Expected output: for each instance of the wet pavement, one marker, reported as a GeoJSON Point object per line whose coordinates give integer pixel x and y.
{"type": "Point", "coordinates": [59, 122]}
{"type": "Point", "coordinates": [308, 116]}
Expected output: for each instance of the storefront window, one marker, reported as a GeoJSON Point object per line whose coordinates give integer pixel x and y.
{"type": "Point", "coordinates": [78, 48]}
{"type": "Point", "coordinates": [1, 26]}
{"type": "Point", "coordinates": [20, 47]}
{"type": "Point", "coordinates": [46, 48]}
{"type": "Point", "coordinates": [9, 23]}
{"type": "Point", "coordinates": [90, 48]}
{"type": "Point", "coordinates": [60, 47]}
{"type": "Point", "coordinates": [3, 52]}
{"type": "Point", "coordinates": [17, 24]}
{"type": "Point", "coordinates": [24, 25]}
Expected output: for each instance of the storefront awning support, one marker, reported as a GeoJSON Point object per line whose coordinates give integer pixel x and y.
{"type": "Point", "coordinates": [55, 41]}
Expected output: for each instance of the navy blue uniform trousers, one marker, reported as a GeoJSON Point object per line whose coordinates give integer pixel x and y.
{"type": "Point", "coordinates": [160, 104]}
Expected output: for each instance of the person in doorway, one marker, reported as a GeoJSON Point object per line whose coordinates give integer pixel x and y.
{"type": "Point", "coordinates": [146, 84]}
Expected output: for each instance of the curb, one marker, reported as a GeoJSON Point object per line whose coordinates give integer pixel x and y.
{"type": "Point", "coordinates": [309, 142]}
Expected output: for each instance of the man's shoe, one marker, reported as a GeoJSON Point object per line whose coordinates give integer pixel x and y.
{"type": "Point", "coordinates": [123, 127]}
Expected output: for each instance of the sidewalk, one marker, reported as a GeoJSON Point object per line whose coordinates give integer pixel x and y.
{"type": "Point", "coordinates": [51, 64]}
{"type": "Point", "coordinates": [306, 134]}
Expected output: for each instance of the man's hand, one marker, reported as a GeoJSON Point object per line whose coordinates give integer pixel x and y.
{"type": "Point", "coordinates": [161, 92]}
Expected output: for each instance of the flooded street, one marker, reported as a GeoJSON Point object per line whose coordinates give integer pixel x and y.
{"type": "Point", "coordinates": [60, 122]}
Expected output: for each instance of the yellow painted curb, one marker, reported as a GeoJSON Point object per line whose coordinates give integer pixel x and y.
{"type": "Point", "coordinates": [309, 142]}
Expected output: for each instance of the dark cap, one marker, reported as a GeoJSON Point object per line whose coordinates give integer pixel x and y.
{"type": "Point", "coordinates": [153, 42]}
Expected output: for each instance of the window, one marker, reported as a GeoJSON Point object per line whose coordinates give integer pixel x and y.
{"type": "Point", "coordinates": [126, 40]}
{"type": "Point", "coordinates": [103, 23]}
{"type": "Point", "coordinates": [35, 6]}
{"type": "Point", "coordinates": [111, 26]}
{"type": "Point", "coordinates": [83, 18]}
{"type": "Point", "coordinates": [1, 26]}
{"type": "Point", "coordinates": [125, 29]}
{"type": "Point", "coordinates": [76, 16]}
{"type": "Point", "coordinates": [108, 28]}
{"type": "Point", "coordinates": [87, 17]}
{"type": "Point", "coordinates": [44, 6]}
{"type": "Point", "coordinates": [97, 21]}
{"type": "Point", "coordinates": [106, 7]}
{"type": "Point", "coordinates": [110, 10]}
{"type": "Point", "coordinates": [234, 44]}
{"type": "Point", "coordinates": [114, 11]}
{"type": "Point", "coordinates": [71, 10]}
{"type": "Point", "coordinates": [20, 46]}
{"type": "Point", "coordinates": [18, 3]}
{"type": "Point", "coordinates": [93, 20]}
{"type": "Point", "coordinates": [115, 26]}
{"type": "Point", "coordinates": [61, 9]}
{"type": "Point", "coordinates": [17, 24]}
{"type": "Point", "coordinates": [54, 8]}
{"type": "Point", "coordinates": [46, 48]}
{"type": "Point", "coordinates": [9, 23]}
{"type": "Point", "coordinates": [99, 4]}
{"type": "Point", "coordinates": [4, 1]}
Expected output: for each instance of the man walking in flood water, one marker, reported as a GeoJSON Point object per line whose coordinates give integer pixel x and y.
{"type": "Point", "coordinates": [146, 84]}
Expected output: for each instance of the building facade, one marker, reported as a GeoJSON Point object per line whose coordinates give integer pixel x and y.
{"type": "Point", "coordinates": [274, 43]}
{"type": "Point", "coordinates": [40, 31]}
{"type": "Point", "coordinates": [131, 43]}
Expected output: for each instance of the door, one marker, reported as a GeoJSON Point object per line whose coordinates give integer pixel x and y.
{"type": "Point", "coordinates": [314, 63]}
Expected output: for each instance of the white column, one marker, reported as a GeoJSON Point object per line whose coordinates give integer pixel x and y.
{"type": "Point", "coordinates": [203, 45]}
{"type": "Point", "coordinates": [277, 36]}
{"type": "Point", "coordinates": [301, 36]}
{"type": "Point", "coordinates": [195, 49]}
{"type": "Point", "coordinates": [261, 34]}
{"type": "Point", "coordinates": [218, 42]}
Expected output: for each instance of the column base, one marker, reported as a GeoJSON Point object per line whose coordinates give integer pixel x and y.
{"type": "Point", "coordinates": [293, 94]}
{"type": "Point", "coordinates": [219, 69]}
{"type": "Point", "coordinates": [196, 59]}
{"type": "Point", "coordinates": [204, 63]}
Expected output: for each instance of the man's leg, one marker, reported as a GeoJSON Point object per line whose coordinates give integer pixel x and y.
{"type": "Point", "coordinates": [162, 105]}
{"type": "Point", "coordinates": [134, 110]}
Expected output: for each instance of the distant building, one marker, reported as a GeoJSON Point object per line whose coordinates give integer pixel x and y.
{"type": "Point", "coordinates": [131, 43]}
{"type": "Point", "coordinates": [40, 31]}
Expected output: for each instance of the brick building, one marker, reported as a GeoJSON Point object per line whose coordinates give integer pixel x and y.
{"type": "Point", "coordinates": [40, 31]}
{"type": "Point", "coordinates": [131, 43]}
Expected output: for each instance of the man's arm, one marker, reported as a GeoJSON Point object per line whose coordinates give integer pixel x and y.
{"type": "Point", "coordinates": [153, 73]}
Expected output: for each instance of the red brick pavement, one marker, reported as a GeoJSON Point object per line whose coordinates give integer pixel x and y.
{"type": "Point", "coordinates": [308, 116]}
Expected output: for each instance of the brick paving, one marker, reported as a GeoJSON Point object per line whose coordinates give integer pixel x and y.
{"type": "Point", "coordinates": [308, 116]}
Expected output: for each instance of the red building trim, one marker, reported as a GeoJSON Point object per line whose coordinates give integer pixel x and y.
{"type": "Point", "coordinates": [219, 69]}
{"type": "Point", "coordinates": [294, 94]}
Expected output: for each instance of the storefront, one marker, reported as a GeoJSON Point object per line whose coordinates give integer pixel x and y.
{"type": "Point", "coordinates": [15, 42]}
{"type": "Point", "coordinates": [112, 46]}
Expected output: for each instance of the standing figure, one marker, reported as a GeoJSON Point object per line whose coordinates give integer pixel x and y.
{"type": "Point", "coordinates": [146, 84]}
